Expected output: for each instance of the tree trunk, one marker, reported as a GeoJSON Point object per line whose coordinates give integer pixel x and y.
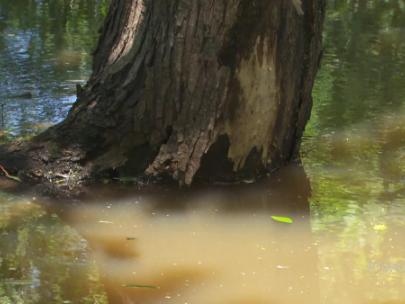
{"type": "Point", "coordinates": [186, 89]}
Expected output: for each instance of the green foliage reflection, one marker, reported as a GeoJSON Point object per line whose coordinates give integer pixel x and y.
{"type": "Point", "coordinates": [43, 260]}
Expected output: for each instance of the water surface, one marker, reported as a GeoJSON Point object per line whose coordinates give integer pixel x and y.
{"type": "Point", "coordinates": [45, 50]}
{"type": "Point", "coordinates": [347, 241]}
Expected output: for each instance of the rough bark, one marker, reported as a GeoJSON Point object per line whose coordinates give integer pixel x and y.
{"type": "Point", "coordinates": [187, 89]}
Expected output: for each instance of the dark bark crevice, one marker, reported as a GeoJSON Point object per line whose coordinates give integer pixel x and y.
{"type": "Point", "coordinates": [217, 168]}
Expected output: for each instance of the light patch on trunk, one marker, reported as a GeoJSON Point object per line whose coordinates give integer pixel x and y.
{"type": "Point", "coordinates": [298, 7]}
{"type": "Point", "coordinates": [257, 108]}
{"type": "Point", "coordinates": [124, 44]}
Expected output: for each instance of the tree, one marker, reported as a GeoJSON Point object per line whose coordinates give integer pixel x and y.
{"type": "Point", "coordinates": [186, 89]}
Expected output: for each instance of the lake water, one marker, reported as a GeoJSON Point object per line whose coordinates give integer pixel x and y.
{"type": "Point", "coordinates": [347, 240]}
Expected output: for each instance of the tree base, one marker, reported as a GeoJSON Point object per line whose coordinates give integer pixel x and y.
{"type": "Point", "coordinates": [52, 170]}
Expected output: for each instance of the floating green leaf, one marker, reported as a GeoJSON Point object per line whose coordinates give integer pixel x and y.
{"type": "Point", "coordinates": [139, 286]}
{"type": "Point", "coordinates": [282, 219]}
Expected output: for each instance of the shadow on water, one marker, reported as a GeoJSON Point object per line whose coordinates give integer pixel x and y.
{"type": "Point", "coordinates": [216, 246]}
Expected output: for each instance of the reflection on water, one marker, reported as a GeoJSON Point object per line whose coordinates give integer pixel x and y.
{"type": "Point", "coordinates": [217, 246]}
{"type": "Point", "coordinates": [354, 153]}
{"type": "Point", "coordinates": [346, 244]}
{"type": "Point", "coordinates": [44, 53]}
{"type": "Point", "coordinates": [43, 260]}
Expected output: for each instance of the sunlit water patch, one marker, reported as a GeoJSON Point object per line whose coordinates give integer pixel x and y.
{"type": "Point", "coordinates": [354, 154]}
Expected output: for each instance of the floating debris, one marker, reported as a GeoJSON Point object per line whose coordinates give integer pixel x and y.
{"type": "Point", "coordinates": [8, 175]}
{"type": "Point", "coordinates": [139, 286]}
{"type": "Point", "coordinates": [282, 267]}
{"type": "Point", "coordinates": [105, 222]}
{"type": "Point", "coordinates": [380, 227]}
{"type": "Point", "coordinates": [18, 282]}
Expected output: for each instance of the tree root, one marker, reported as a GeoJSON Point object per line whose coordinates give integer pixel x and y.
{"type": "Point", "coordinates": [44, 167]}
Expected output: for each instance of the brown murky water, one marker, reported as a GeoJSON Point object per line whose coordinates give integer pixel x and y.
{"type": "Point", "coordinates": [216, 246]}
{"type": "Point", "coordinates": [347, 240]}
{"type": "Point", "coordinates": [209, 247]}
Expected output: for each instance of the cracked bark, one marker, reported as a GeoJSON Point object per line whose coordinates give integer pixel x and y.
{"type": "Point", "coordinates": [187, 89]}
